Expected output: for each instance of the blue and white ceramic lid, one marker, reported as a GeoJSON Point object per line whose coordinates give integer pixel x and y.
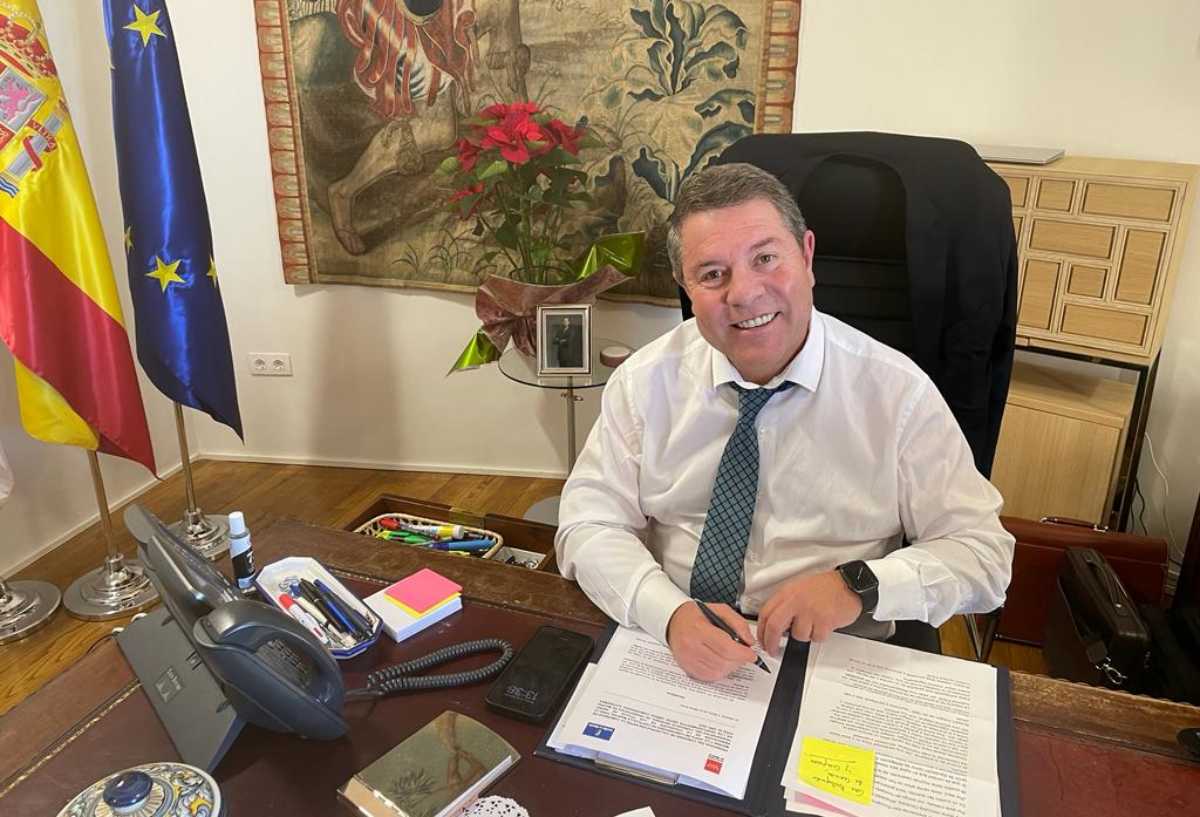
{"type": "Point", "coordinates": [150, 790]}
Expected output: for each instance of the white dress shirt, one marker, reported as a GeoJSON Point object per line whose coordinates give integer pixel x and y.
{"type": "Point", "coordinates": [862, 452]}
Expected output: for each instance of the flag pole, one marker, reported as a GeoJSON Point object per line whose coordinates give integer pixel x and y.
{"type": "Point", "coordinates": [207, 534]}
{"type": "Point", "coordinates": [120, 586]}
{"type": "Point", "coordinates": [25, 606]}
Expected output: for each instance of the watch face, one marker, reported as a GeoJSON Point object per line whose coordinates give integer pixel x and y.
{"type": "Point", "coordinates": [859, 576]}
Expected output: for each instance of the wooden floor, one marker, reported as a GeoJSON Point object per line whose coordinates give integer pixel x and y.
{"type": "Point", "coordinates": [319, 495]}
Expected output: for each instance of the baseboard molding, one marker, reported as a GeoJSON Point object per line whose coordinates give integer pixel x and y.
{"type": "Point", "coordinates": [92, 520]}
{"type": "Point", "coordinates": [316, 461]}
{"type": "Point", "coordinates": [380, 465]}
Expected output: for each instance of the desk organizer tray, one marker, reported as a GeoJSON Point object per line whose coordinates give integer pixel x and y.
{"type": "Point", "coordinates": [529, 559]}
{"type": "Point", "coordinates": [275, 579]}
{"type": "Point", "coordinates": [375, 527]}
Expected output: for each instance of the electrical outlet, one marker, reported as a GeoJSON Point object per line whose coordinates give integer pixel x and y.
{"type": "Point", "coordinates": [271, 364]}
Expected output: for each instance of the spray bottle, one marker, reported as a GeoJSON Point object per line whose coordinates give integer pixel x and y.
{"type": "Point", "coordinates": [240, 552]}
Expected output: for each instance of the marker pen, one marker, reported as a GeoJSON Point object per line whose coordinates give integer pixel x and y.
{"type": "Point", "coordinates": [472, 545]}
{"type": "Point", "coordinates": [297, 612]}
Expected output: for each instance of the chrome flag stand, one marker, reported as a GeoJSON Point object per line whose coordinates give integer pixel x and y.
{"type": "Point", "coordinates": [207, 534]}
{"type": "Point", "coordinates": [119, 587]}
{"type": "Point", "coordinates": [25, 606]}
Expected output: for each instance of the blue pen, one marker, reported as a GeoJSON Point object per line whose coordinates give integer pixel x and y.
{"type": "Point", "coordinates": [360, 626]}
{"type": "Point", "coordinates": [332, 608]}
{"type": "Point", "coordinates": [468, 545]}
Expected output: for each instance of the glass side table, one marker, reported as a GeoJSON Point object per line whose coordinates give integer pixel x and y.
{"type": "Point", "coordinates": [521, 369]}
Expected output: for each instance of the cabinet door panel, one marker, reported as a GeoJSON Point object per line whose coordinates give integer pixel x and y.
{"type": "Point", "coordinates": [1091, 240]}
{"type": "Point", "coordinates": [1139, 266]}
{"type": "Point", "coordinates": [1128, 201]}
{"type": "Point", "coordinates": [1052, 465]}
{"type": "Point", "coordinates": [1055, 194]}
{"type": "Point", "coordinates": [1105, 324]}
{"type": "Point", "coordinates": [1088, 281]}
{"type": "Point", "coordinates": [1037, 293]}
{"type": "Point", "coordinates": [1018, 186]}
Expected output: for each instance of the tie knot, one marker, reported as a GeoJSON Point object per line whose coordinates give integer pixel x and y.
{"type": "Point", "coordinates": [751, 401]}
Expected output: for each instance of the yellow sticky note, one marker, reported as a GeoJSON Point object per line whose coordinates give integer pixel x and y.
{"type": "Point", "coordinates": [846, 771]}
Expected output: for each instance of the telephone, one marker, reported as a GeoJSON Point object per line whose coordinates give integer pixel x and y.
{"type": "Point", "coordinates": [212, 660]}
{"type": "Point", "coordinates": [271, 669]}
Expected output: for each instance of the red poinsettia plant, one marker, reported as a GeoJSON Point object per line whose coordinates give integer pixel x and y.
{"type": "Point", "coordinates": [516, 173]}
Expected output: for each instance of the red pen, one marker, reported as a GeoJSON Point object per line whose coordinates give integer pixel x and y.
{"type": "Point", "coordinates": [297, 612]}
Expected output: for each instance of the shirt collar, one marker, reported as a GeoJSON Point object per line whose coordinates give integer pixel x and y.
{"type": "Point", "coordinates": [804, 369]}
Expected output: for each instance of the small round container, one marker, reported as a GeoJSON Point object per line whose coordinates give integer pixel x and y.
{"type": "Point", "coordinates": [150, 790]}
{"type": "Point", "coordinates": [614, 355]}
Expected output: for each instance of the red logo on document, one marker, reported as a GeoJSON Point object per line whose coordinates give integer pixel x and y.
{"type": "Point", "coordinates": [713, 764]}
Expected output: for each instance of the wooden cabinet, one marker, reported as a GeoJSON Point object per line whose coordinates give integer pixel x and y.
{"type": "Point", "coordinates": [1060, 443]}
{"type": "Point", "coordinates": [1099, 243]}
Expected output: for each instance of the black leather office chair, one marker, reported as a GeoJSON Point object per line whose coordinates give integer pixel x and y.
{"type": "Point", "coordinates": [915, 247]}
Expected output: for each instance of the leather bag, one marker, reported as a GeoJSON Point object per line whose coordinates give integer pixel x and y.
{"type": "Point", "coordinates": [1094, 632]}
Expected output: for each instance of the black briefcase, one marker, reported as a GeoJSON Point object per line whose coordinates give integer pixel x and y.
{"type": "Point", "coordinates": [1094, 633]}
{"type": "Point", "coordinates": [1174, 668]}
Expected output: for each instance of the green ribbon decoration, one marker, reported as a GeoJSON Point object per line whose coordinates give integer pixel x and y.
{"type": "Point", "coordinates": [622, 251]}
{"type": "Point", "coordinates": [479, 352]}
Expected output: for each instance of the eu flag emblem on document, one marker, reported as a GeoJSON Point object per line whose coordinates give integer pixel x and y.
{"type": "Point", "coordinates": [182, 338]}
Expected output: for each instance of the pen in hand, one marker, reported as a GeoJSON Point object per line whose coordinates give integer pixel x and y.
{"type": "Point", "coordinates": [718, 622]}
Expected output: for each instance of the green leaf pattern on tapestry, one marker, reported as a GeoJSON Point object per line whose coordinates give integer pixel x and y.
{"type": "Point", "coordinates": [680, 50]}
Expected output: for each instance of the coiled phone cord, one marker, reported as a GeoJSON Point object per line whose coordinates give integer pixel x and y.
{"type": "Point", "coordinates": [402, 677]}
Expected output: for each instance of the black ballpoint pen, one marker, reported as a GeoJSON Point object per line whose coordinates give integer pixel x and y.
{"type": "Point", "coordinates": [309, 591]}
{"type": "Point", "coordinates": [720, 624]}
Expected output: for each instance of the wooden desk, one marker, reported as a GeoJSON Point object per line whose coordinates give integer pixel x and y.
{"type": "Point", "coordinates": [1080, 750]}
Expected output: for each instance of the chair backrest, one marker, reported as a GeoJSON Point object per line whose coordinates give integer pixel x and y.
{"type": "Point", "coordinates": [856, 208]}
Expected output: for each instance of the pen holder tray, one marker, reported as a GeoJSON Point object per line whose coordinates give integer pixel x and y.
{"type": "Point", "coordinates": [275, 579]}
{"type": "Point", "coordinates": [374, 527]}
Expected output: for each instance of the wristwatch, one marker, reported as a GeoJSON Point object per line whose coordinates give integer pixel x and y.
{"type": "Point", "coordinates": [862, 583]}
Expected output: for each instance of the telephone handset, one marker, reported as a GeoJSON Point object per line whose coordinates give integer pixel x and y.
{"type": "Point", "coordinates": [285, 680]}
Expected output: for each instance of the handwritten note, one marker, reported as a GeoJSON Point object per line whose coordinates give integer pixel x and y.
{"type": "Point", "coordinates": [846, 771]}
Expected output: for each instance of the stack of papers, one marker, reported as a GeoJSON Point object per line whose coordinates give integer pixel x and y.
{"type": "Point", "coordinates": [888, 732]}
{"type": "Point", "coordinates": [415, 602]}
{"type": "Point", "coordinates": [637, 711]}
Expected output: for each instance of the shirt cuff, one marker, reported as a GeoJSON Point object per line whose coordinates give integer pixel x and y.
{"type": "Point", "coordinates": [656, 600]}
{"type": "Point", "coordinates": [901, 596]}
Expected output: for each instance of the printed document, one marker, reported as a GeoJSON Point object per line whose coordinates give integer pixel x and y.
{"type": "Point", "coordinates": [890, 732]}
{"type": "Point", "coordinates": [638, 711]}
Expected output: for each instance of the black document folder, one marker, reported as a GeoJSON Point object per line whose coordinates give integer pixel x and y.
{"type": "Point", "coordinates": [764, 794]}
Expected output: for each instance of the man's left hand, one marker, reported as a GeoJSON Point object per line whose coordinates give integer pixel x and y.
{"type": "Point", "coordinates": [812, 607]}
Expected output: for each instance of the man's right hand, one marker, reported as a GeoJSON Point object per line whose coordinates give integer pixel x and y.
{"type": "Point", "coordinates": [706, 652]}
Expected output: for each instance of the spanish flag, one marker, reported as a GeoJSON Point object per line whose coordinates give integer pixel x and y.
{"type": "Point", "coordinates": [59, 310]}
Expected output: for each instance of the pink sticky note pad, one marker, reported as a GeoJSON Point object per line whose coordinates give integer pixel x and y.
{"type": "Point", "coordinates": [422, 590]}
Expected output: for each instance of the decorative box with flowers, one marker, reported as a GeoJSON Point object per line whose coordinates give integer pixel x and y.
{"type": "Point", "coordinates": [517, 175]}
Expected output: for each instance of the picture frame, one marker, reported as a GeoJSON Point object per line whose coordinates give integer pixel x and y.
{"type": "Point", "coordinates": [564, 340]}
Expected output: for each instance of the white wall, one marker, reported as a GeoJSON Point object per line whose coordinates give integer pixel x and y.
{"type": "Point", "coordinates": [1094, 77]}
{"type": "Point", "coordinates": [1097, 77]}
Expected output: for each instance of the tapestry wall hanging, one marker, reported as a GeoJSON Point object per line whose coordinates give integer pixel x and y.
{"type": "Point", "coordinates": [364, 100]}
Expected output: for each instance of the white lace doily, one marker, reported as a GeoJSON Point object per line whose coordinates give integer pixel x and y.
{"type": "Point", "coordinates": [495, 807]}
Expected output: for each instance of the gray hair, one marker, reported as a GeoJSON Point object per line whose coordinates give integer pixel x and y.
{"type": "Point", "coordinates": [723, 186]}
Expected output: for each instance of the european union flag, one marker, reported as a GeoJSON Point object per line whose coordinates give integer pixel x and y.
{"type": "Point", "coordinates": [182, 339]}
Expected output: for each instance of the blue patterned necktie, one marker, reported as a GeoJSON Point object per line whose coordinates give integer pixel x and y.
{"type": "Point", "coordinates": [717, 572]}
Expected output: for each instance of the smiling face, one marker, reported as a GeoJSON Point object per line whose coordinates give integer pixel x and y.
{"type": "Point", "coordinates": [750, 283]}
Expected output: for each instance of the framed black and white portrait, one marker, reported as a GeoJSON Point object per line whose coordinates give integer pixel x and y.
{"type": "Point", "coordinates": [564, 339]}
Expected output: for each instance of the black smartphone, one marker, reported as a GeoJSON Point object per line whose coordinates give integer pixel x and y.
{"type": "Point", "coordinates": [533, 684]}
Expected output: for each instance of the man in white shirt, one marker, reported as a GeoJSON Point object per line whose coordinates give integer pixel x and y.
{"type": "Point", "coordinates": [855, 452]}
